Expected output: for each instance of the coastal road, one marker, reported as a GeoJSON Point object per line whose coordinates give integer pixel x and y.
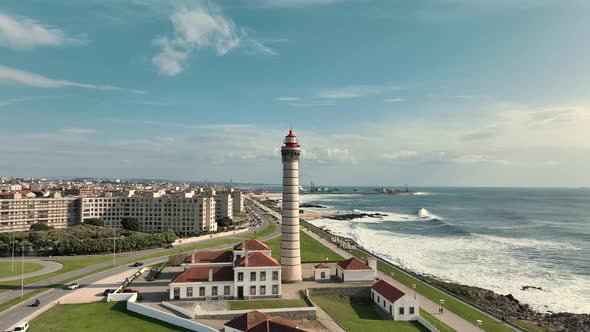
{"type": "Point", "coordinates": [20, 312]}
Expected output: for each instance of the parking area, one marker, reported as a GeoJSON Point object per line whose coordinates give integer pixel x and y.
{"type": "Point", "coordinates": [157, 290]}
{"type": "Point", "coordinates": [94, 292]}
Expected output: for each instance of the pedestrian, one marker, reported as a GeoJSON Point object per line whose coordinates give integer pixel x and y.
{"type": "Point", "coordinates": [442, 311]}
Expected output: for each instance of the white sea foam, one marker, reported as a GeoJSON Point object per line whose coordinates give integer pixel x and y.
{"type": "Point", "coordinates": [492, 262]}
{"type": "Point", "coordinates": [422, 193]}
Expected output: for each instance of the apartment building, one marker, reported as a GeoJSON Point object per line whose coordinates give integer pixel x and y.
{"type": "Point", "coordinates": [224, 206]}
{"type": "Point", "coordinates": [238, 201]}
{"type": "Point", "coordinates": [183, 215]}
{"type": "Point", "coordinates": [18, 212]}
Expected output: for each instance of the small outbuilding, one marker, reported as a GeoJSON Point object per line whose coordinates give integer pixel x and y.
{"type": "Point", "coordinates": [322, 272]}
{"type": "Point", "coordinates": [397, 304]}
{"type": "Point", "coordinates": [353, 269]}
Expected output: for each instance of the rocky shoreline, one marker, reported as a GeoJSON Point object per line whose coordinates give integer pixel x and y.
{"type": "Point", "coordinates": [502, 305]}
{"type": "Point", "coordinates": [351, 216]}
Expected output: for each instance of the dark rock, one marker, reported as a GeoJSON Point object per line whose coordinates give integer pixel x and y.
{"type": "Point", "coordinates": [531, 287]}
{"type": "Point", "coordinates": [315, 206]}
{"type": "Point", "coordinates": [350, 216]}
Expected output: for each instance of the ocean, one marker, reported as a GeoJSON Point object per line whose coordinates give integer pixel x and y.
{"type": "Point", "coordinates": [496, 238]}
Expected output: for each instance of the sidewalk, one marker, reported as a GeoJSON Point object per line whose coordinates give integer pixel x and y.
{"type": "Point", "coordinates": [447, 317]}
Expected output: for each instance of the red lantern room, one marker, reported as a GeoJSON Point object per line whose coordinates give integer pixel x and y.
{"type": "Point", "coordinates": [291, 139]}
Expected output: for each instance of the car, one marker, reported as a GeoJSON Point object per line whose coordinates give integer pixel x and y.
{"type": "Point", "coordinates": [129, 290]}
{"type": "Point", "coordinates": [137, 264]}
{"type": "Point", "coordinates": [73, 286]}
{"type": "Point", "coordinates": [21, 327]}
{"type": "Point", "coordinates": [108, 291]}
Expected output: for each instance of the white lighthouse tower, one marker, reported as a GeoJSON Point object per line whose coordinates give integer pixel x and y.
{"type": "Point", "coordinates": [290, 250]}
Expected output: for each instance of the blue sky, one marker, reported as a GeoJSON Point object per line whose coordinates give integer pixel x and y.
{"type": "Point", "coordinates": [437, 92]}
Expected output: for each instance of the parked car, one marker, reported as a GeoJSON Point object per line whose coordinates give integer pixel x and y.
{"type": "Point", "coordinates": [169, 246]}
{"type": "Point", "coordinates": [137, 264]}
{"type": "Point", "coordinates": [130, 290]}
{"type": "Point", "coordinates": [73, 286]}
{"type": "Point", "coordinates": [108, 291]}
{"type": "Point", "coordinates": [21, 327]}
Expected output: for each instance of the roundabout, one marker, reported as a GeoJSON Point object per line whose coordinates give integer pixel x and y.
{"type": "Point", "coordinates": [31, 267]}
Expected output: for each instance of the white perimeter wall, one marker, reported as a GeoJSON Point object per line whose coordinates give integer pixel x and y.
{"type": "Point", "coordinates": [426, 324]}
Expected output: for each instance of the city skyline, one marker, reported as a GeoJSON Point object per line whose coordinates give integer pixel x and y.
{"type": "Point", "coordinates": [431, 93]}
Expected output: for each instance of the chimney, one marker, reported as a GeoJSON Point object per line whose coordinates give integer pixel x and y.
{"type": "Point", "coordinates": [246, 262]}
{"type": "Point", "coordinates": [193, 259]}
{"type": "Point", "coordinates": [210, 274]}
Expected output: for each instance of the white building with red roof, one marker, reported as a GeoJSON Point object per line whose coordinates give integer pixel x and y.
{"type": "Point", "coordinates": [322, 272]}
{"type": "Point", "coordinates": [397, 304]}
{"type": "Point", "coordinates": [249, 271]}
{"type": "Point", "coordinates": [353, 269]}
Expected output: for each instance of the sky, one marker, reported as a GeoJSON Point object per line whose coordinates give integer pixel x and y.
{"type": "Point", "coordinates": [428, 92]}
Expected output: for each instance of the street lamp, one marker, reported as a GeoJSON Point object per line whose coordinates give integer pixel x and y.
{"type": "Point", "coordinates": [13, 247]}
{"type": "Point", "coordinates": [478, 323]}
{"type": "Point", "coordinates": [414, 287]}
{"type": "Point", "coordinates": [442, 301]}
{"type": "Point", "coordinates": [392, 275]}
{"type": "Point", "coordinates": [22, 272]}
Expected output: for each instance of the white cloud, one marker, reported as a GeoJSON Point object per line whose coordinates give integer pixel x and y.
{"type": "Point", "coordinates": [201, 26]}
{"type": "Point", "coordinates": [393, 100]}
{"type": "Point", "coordinates": [12, 101]}
{"type": "Point", "coordinates": [287, 98]}
{"type": "Point", "coordinates": [15, 76]}
{"type": "Point", "coordinates": [356, 91]}
{"type": "Point", "coordinates": [24, 33]}
{"type": "Point", "coordinates": [78, 131]}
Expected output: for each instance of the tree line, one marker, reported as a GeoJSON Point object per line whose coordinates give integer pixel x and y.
{"type": "Point", "coordinates": [83, 239]}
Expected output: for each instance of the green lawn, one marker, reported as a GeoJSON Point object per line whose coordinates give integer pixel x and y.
{"type": "Point", "coordinates": [358, 315]}
{"type": "Point", "coordinates": [451, 304]}
{"type": "Point", "coordinates": [266, 304]}
{"type": "Point", "coordinates": [100, 316]}
{"type": "Point", "coordinates": [311, 250]}
{"type": "Point", "coordinates": [6, 268]}
{"type": "Point", "coordinates": [442, 327]}
{"type": "Point", "coordinates": [316, 230]}
{"type": "Point", "coordinates": [532, 327]}
{"type": "Point", "coordinates": [262, 233]}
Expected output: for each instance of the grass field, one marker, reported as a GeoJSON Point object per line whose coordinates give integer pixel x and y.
{"type": "Point", "coordinates": [442, 327]}
{"type": "Point", "coordinates": [262, 233]}
{"type": "Point", "coordinates": [451, 304]}
{"type": "Point", "coordinates": [100, 316]}
{"type": "Point", "coordinates": [311, 250]}
{"type": "Point", "coordinates": [358, 315]}
{"type": "Point", "coordinates": [6, 268]}
{"type": "Point", "coordinates": [266, 304]}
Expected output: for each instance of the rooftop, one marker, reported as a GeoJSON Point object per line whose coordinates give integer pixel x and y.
{"type": "Point", "coordinates": [251, 244]}
{"type": "Point", "coordinates": [201, 273]}
{"type": "Point", "coordinates": [388, 291]}
{"type": "Point", "coordinates": [353, 263]}
{"type": "Point", "coordinates": [257, 259]}
{"type": "Point", "coordinates": [210, 256]}
{"type": "Point", "coordinates": [256, 321]}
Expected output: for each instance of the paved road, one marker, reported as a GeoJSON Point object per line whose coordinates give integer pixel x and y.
{"type": "Point", "coordinates": [48, 267]}
{"type": "Point", "coordinates": [19, 312]}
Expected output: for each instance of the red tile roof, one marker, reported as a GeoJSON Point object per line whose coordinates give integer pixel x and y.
{"type": "Point", "coordinates": [211, 256]}
{"type": "Point", "coordinates": [251, 244]}
{"type": "Point", "coordinates": [256, 321]}
{"type": "Point", "coordinates": [201, 273]}
{"type": "Point", "coordinates": [354, 263]}
{"type": "Point", "coordinates": [387, 290]}
{"type": "Point", "coordinates": [257, 259]}
{"type": "Point", "coordinates": [322, 266]}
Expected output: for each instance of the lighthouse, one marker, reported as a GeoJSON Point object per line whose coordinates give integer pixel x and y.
{"type": "Point", "coordinates": [290, 250]}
